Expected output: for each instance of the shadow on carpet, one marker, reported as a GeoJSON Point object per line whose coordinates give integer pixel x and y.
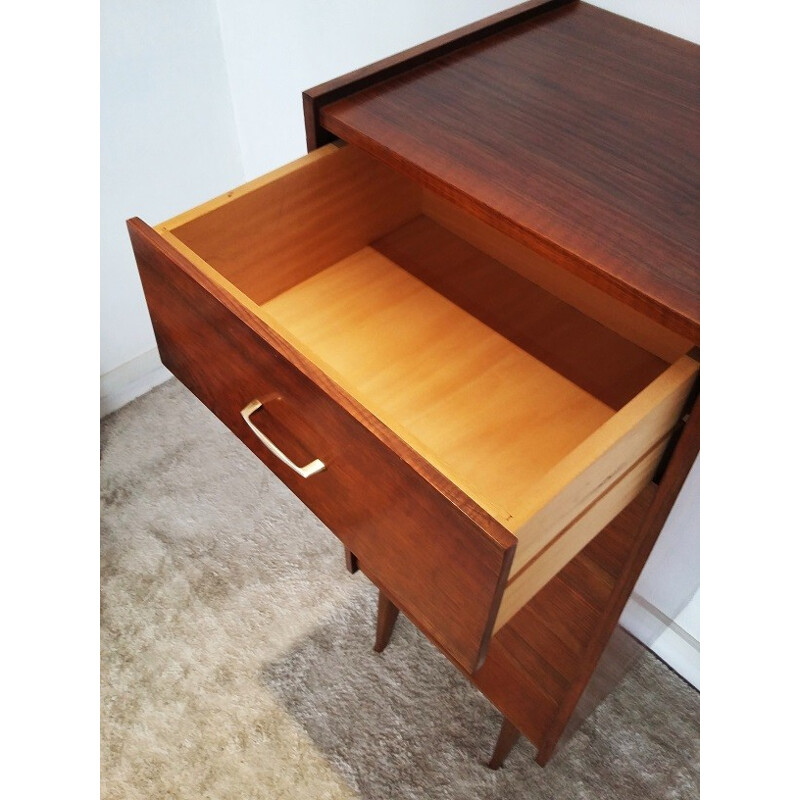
{"type": "Point", "coordinates": [406, 724]}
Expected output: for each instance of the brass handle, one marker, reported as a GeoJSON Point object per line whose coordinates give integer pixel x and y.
{"type": "Point", "coordinates": [304, 472]}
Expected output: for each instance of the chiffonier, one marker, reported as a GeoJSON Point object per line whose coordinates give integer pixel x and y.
{"type": "Point", "coordinates": [464, 330]}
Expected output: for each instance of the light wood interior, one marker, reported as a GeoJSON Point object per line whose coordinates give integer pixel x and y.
{"type": "Point", "coordinates": [274, 232]}
{"type": "Point", "coordinates": [483, 411]}
{"type": "Point", "coordinates": [544, 400]}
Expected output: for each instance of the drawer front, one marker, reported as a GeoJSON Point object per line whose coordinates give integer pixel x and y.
{"type": "Point", "coordinates": [434, 560]}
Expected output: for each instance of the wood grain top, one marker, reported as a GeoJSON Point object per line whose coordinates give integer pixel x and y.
{"type": "Point", "coordinates": [576, 132]}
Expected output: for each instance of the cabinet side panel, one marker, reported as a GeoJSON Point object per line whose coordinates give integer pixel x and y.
{"type": "Point", "coordinates": [541, 660]}
{"type": "Point", "coordinates": [680, 462]}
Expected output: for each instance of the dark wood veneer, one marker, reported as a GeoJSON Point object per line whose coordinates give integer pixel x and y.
{"type": "Point", "coordinates": [575, 131]}
{"type": "Point", "coordinates": [315, 99]}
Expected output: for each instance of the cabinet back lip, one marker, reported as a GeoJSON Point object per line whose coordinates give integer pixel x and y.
{"type": "Point", "coordinates": [317, 97]}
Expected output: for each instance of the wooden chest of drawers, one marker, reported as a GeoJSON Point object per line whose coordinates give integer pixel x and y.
{"type": "Point", "coordinates": [464, 338]}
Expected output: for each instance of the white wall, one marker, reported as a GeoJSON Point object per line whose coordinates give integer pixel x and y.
{"type": "Point", "coordinates": [168, 141]}
{"type": "Point", "coordinates": [199, 96]}
{"type": "Point", "coordinates": [276, 50]}
{"type": "Point", "coordinates": [678, 17]}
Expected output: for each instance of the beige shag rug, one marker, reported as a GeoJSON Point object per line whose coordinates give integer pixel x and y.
{"type": "Point", "coordinates": [237, 661]}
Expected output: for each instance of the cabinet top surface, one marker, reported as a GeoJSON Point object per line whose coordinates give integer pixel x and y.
{"type": "Point", "coordinates": [576, 132]}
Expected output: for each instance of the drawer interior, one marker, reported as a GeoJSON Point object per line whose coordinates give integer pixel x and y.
{"type": "Point", "coordinates": [507, 375]}
{"type": "Point", "coordinates": [487, 414]}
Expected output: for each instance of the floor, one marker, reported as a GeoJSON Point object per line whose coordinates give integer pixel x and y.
{"type": "Point", "coordinates": [237, 661]}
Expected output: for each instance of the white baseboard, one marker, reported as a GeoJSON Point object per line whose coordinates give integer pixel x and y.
{"type": "Point", "coordinates": [130, 380]}
{"type": "Point", "coordinates": [665, 637]}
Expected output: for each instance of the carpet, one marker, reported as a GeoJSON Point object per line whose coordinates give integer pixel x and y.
{"type": "Point", "coordinates": [236, 656]}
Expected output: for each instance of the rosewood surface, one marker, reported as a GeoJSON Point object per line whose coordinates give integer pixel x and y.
{"type": "Point", "coordinates": [316, 98]}
{"type": "Point", "coordinates": [575, 132]}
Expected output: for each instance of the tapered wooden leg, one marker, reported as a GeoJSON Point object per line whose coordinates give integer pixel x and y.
{"type": "Point", "coordinates": [350, 561]}
{"type": "Point", "coordinates": [505, 741]}
{"type": "Point", "coordinates": [545, 753]}
{"type": "Point", "coordinates": [387, 616]}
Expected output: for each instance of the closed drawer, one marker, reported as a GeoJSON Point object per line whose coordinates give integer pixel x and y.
{"type": "Point", "coordinates": [476, 429]}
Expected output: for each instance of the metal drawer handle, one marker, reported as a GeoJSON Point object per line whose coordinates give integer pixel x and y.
{"type": "Point", "coordinates": [305, 472]}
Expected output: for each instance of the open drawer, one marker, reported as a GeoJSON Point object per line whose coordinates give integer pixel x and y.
{"type": "Point", "coordinates": [464, 416]}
